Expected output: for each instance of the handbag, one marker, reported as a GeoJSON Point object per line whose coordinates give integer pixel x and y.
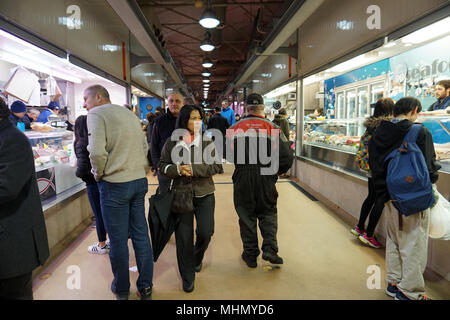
{"type": "Point", "coordinates": [183, 200]}
{"type": "Point", "coordinates": [440, 218]}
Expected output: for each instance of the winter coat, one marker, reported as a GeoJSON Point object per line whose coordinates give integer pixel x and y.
{"type": "Point", "coordinates": [202, 182]}
{"type": "Point", "coordinates": [249, 125]}
{"type": "Point", "coordinates": [283, 123]}
{"type": "Point", "coordinates": [83, 162]}
{"type": "Point", "coordinates": [389, 136]}
{"type": "Point", "coordinates": [14, 119]}
{"type": "Point", "coordinates": [23, 235]}
{"type": "Point", "coordinates": [218, 122]}
{"type": "Point", "coordinates": [163, 126]}
{"type": "Point", "coordinates": [228, 114]}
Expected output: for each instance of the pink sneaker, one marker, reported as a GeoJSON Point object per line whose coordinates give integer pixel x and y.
{"type": "Point", "coordinates": [357, 231]}
{"type": "Point", "coordinates": [370, 241]}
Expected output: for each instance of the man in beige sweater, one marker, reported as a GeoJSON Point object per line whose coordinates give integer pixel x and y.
{"type": "Point", "coordinates": [118, 153]}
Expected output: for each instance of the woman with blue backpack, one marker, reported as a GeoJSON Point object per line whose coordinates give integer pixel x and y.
{"type": "Point", "coordinates": [403, 164]}
{"type": "Point", "coordinates": [373, 206]}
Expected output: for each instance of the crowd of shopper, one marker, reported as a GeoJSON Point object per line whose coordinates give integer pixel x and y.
{"type": "Point", "coordinates": [114, 157]}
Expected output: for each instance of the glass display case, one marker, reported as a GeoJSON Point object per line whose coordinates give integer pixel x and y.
{"type": "Point", "coordinates": [340, 135]}
{"type": "Point", "coordinates": [439, 126]}
{"type": "Point", "coordinates": [335, 141]}
{"type": "Point", "coordinates": [51, 152]}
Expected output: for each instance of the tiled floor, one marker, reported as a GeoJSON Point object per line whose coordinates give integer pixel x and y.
{"type": "Point", "coordinates": [322, 260]}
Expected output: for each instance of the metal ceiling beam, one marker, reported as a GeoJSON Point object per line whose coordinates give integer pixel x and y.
{"type": "Point", "coordinates": [297, 13]}
{"type": "Point", "coordinates": [134, 19]}
{"type": "Point", "coordinates": [223, 4]}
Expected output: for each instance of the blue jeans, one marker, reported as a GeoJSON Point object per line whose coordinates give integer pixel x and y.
{"type": "Point", "coordinates": [94, 200]}
{"type": "Point", "coordinates": [124, 211]}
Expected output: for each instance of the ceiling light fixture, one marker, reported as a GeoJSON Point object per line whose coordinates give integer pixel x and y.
{"type": "Point", "coordinates": [207, 63]}
{"type": "Point", "coordinates": [209, 19]}
{"type": "Point", "coordinates": [206, 80]}
{"type": "Point", "coordinates": [207, 44]}
{"type": "Point", "coordinates": [206, 73]}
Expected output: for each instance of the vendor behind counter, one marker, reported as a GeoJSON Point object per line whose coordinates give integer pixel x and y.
{"type": "Point", "coordinates": [18, 115]}
{"type": "Point", "coordinates": [52, 109]}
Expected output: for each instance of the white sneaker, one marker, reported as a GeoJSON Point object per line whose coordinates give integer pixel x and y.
{"type": "Point", "coordinates": [108, 246]}
{"type": "Point", "coordinates": [96, 249]}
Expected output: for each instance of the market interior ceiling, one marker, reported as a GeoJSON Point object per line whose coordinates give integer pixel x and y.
{"type": "Point", "coordinates": [243, 25]}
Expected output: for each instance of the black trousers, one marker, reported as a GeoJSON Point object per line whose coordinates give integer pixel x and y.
{"type": "Point", "coordinates": [17, 288]}
{"type": "Point", "coordinates": [255, 200]}
{"type": "Point", "coordinates": [372, 207]}
{"type": "Point", "coordinates": [188, 254]}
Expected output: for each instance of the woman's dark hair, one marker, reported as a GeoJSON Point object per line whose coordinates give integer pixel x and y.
{"type": "Point", "coordinates": [406, 105]}
{"type": "Point", "coordinates": [282, 111]}
{"type": "Point", "coordinates": [383, 108]}
{"type": "Point", "coordinates": [80, 130]}
{"type": "Point", "coordinates": [184, 116]}
{"type": "Point", "coordinates": [150, 116]}
{"type": "Point", "coordinates": [4, 110]}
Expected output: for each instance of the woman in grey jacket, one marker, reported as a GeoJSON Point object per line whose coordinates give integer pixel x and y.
{"type": "Point", "coordinates": [191, 172]}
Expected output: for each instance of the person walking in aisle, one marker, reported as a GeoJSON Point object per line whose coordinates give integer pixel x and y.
{"type": "Point", "coordinates": [163, 127]}
{"type": "Point", "coordinates": [118, 153]}
{"type": "Point", "coordinates": [254, 191]}
{"type": "Point", "coordinates": [228, 113]}
{"type": "Point", "coordinates": [281, 121]}
{"type": "Point", "coordinates": [372, 206]}
{"type": "Point", "coordinates": [23, 235]}
{"type": "Point", "coordinates": [407, 236]}
{"type": "Point", "coordinates": [84, 173]}
{"type": "Point", "coordinates": [198, 176]}
{"type": "Point", "coordinates": [220, 123]}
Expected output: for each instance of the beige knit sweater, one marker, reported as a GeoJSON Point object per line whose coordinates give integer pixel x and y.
{"type": "Point", "coordinates": [117, 145]}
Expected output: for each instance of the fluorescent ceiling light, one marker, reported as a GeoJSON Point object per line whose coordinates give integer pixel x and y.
{"type": "Point", "coordinates": [26, 63]}
{"type": "Point", "coordinates": [206, 85]}
{"type": "Point", "coordinates": [149, 74]}
{"type": "Point", "coordinates": [291, 87]}
{"type": "Point", "coordinates": [157, 80]}
{"type": "Point", "coordinates": [209, 19]}
{"type": "Point", "coordinates": [390, 44]}
{"type": "Point", "coordinates": [206, 80]}
{"type": "Point", "coordinates": [434, 30]}
{"type": "Point", "coordinates": [206, 74]}
{"type": "Point", "coordinates": [351, 64]}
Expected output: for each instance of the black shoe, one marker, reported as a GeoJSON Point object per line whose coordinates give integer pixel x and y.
{"type": "Point", "coordinates": [146, 294]}
{"type": "Point", "coordinates": [272, 257]}
{"type": "Point", "coordinates": [199, 267]}
{"type": "Point", "coordinates": [188, 286]}
{"type": "Point", "coordinates": [120, 296]}
{"type": "Point", "coordinates": [251, 262]}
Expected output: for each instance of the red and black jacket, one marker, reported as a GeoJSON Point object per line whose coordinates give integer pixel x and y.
{"type": "Point", "coordinates": [248, 151]}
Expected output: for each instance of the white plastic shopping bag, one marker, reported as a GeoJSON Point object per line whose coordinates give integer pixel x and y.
{"type": "Point", "coordinates": [440, 218]}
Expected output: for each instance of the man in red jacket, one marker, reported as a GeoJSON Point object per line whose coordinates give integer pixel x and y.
{"type": "Point", "coordinates": [260, 152]}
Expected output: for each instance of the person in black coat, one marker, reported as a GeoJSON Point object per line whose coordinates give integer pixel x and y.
{"type": "Point", "coordinates": [220, 123]}
{"type": "Point", "coordinates": [23, 235]}
{"type": "Point", "coordinates": [163, 127]}
{"type": "Point", "coordinates": [84, 172]}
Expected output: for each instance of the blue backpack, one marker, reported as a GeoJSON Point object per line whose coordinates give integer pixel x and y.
{"type": "Point", "coordinates": [408, 180]}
